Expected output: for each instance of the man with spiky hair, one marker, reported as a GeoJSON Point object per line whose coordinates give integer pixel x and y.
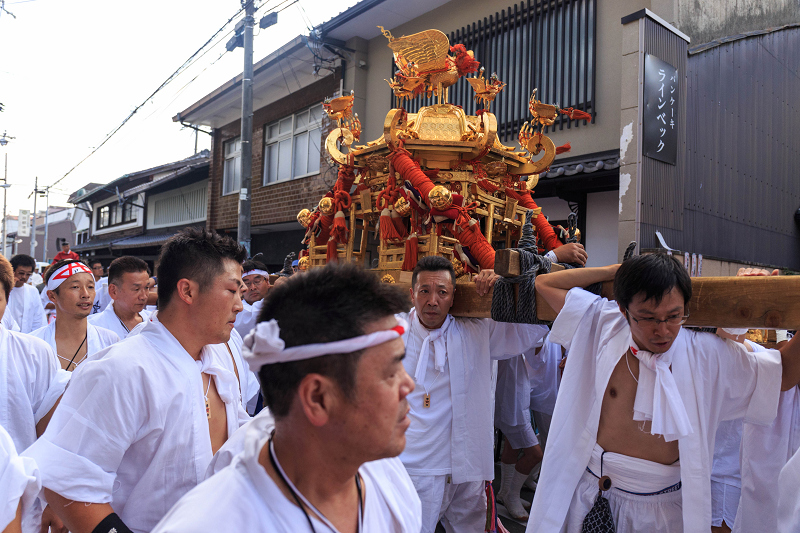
{"type": "Point", "coordinates": [139, 424]}
{"type": "Point", "coordinates": [23, 303]}
{"type": "Point", "coordinates": [70, 287]}
{"type": "Point", "coordinates": [332, 376]}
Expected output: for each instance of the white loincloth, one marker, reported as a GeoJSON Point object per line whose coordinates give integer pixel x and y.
{"type": "Point", "coordinates": [461, 507]}
{"type": "Point", "coordinates": [633, 513]}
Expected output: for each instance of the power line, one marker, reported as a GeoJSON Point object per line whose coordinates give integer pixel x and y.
{"type": "Point", "coordinates": [163, 84]}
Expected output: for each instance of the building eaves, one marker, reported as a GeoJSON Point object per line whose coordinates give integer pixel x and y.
{"type": "Point", "coordinates": [731, 38]}
{"type": "Point", "coordinates": [189, 114]}
{"type": "Point", "coordinates": [166, 179]}
{"type": "Point", "coordinates": [587, 164]}
{"type": "Point", "coordinates": [111, 187]}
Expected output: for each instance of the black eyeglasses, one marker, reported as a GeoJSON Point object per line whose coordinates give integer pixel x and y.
{"type": "Point", "coordinates": [676, 320]}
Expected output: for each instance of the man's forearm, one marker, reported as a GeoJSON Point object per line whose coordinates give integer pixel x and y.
{"type": "Point", "coordinates": [553, 287]}
{"type": "Point", "coordinates": [78, 517]}
{"type": "Point", "coordinates": [790, 358]}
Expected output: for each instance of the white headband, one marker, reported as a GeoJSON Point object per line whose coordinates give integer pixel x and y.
{"type": "Point", "coordinates": [264, 346]}
{"type": "Point", "coordinates": [61, 275]}
{"type": "Point", "coordinates": [256, 271]}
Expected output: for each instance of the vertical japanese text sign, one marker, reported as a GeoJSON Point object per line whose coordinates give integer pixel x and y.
{"type": "Point", "coordinates": [660, 110]}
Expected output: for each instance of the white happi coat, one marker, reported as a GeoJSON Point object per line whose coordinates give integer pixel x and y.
{"type": "Point", "coordinates": [765, 451]}
{"type": "Point", "coordinates": [101, 297]}
{"type": "Point", "coordinates": [241, 496]}
{"type": "Point", "coordinates": [789, 496]}
{"type": "Point", "coordinates": [472, 345]}
{"type": "Point", "coordinates": [247, 317]}
{"type": "Point", "coordinates": [19, 483]}
{"type": "Point", "coordinates": [29, 312]}
{"type": "Point", "coordinates": [716, 379]}
{"type": "Point", "coordinates": [132, 431]}
{"type": "Point", "coordinates": [109, 320]}
{"type": "Point", "coordinates": [248, 381]}
{"type": "Point", "coordinates": [31, 381]}
{"type": "Point", "coordinates": [544, 376]}
{"type": "Point", "coordinates": [97, 339]}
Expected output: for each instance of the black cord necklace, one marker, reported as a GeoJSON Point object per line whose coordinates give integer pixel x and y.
{"type": "Point", "coordinates": [78, 350]}
{"type": "Point", "coordinates": [297, 496]}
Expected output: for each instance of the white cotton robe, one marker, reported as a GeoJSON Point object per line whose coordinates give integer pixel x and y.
{"type": "Point", "coordinates": [97, 340]}
{"type": "Point", "coordinates": [19, 483]}
{"type": "Point", "coordinates": [31, 381]}
{"type": "Point", "coordinates": [247, 317]}
{"type": "Point", "coordinates": [765, 451]}
{"type": "Point", "coordinates": [789, 496]}
{"type": "Point", "coordinates": [472, 345]}
{"type": "Point", "coordinates": [26, 307]}
{"type": "Point", "coordinates": [242, 497]}
{"type": "Point", "coordinates": [101, 297]}
{"type": "Point", "coordinates": [248, 381]}
{"type": "Point", "coordinates": [109, 320]}
{"type": "Point", "coordinates": [545, 376]}
{"type": "Point", "coordinates": [132, 431]}
{"type": "Point", "coordinates": [716, 379]}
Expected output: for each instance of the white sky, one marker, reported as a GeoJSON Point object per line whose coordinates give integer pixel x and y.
{"type": "Point", "coordinates": [71, 71]}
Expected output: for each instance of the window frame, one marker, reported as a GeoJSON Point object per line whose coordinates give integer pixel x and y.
{"type": "Point", "coordinates": [291, 135]}
{"type": "Point", "coordinates": [235, 156]}
{"type": "Point", "coordinates": [115, 215]}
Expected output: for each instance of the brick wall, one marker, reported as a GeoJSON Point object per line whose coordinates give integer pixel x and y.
{"type": "Point", "coordinates": [276, 202]}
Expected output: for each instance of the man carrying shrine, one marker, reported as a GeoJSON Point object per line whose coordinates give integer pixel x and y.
{"type": "Point", "coordinates": [449, 444]}
{"type": "Point", "coordinates": [632, 435]}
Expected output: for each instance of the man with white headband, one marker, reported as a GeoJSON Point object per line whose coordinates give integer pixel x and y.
{"type": "Point", "coordinates": [24, 304]}
{"type": "Point", "coordinates": [70, 287]}
{"type": "Point", "coordinates": [256, 279]}
{"type": "Point", "coordinates": [333, 378]}
{"type": "Point", "coordinates": [128, 287]}
{"type": "Point", "coordinates": [449, 452]}
{"type": "Point", "coordinates": [138, 425]}
{"type": "Point", "coordinates": [632, 435]}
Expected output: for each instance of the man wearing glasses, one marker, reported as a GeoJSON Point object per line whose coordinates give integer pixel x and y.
{"type": "Point", "coordinates": [632, 436]}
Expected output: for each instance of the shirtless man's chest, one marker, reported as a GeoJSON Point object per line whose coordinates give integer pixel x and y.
{"type": "Point", "coordinates": [618, 432]}
{"type": "Point", "coordinates": [217, 417]}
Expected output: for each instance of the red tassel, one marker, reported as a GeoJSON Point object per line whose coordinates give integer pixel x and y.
{"type": "Point", "coordinates": [465, 63]}
{"type": "Point", "coordinates": [563, 148]}
{"type": "Point", "coordinates": [576, 114]}
{"type": "Point", "coordinates": [388, 230]}
{"type": "Point", "coordinates": [399, 224]}
{"type": "Point", "coordinates": [410, 257]}
{"type": "Point", "coordinates": [339, 232]}
{"type": "Point", "coordinates": [487, 186]}
{"type": "Point", "coordinates": [332, 255]}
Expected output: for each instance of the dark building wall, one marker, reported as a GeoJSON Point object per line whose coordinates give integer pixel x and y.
{"type": "Point", "coordinates": [740, 189]}
{"type": "Point", "coordinates": [277, 202]}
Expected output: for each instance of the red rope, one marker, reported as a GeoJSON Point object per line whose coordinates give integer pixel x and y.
{"type": "Point", "coordinates": [402, 162]}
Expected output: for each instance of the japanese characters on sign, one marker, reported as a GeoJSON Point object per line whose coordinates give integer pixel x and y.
{"type": "Point", "coordinates": [660, 114]}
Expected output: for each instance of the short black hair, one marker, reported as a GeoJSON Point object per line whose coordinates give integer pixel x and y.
{"type": "Point", "coordinates": [325, 304]}
{"type": "Point", "coordinates": [433, 263]}
{"type": "Point", "coordinates": [24, 261]}
{"type": "Point", "coordinates": [252, 264]}
{"type": "Point", "coordinates": [652, 274]}
{"type": "Point", "coordinates": [195, 254]}
{"type": "Point", "coordinates": [93, 262]}
{"type": "Point", "coordinates": [126, 263]}
{"type": "Point", "coordinates": [55, 266]}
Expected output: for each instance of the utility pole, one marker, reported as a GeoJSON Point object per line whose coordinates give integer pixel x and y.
{"type": "Point", "coordinates": [243, 230]}
{"type": "Point", "coordinates": [46, 221]}
{"type": "Point", "coordinates": [33, 229]}
{"type": "Point", "coordinates": [5, 189]}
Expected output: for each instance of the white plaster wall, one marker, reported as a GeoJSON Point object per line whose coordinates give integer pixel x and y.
{"type": "Point", "coordinates": [553, 208]}
{"type": "Point", "coordinates": [602, 225]}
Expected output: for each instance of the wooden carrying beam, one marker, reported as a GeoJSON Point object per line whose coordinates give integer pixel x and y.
{"type": "Point", "coordinates": [765, 302]}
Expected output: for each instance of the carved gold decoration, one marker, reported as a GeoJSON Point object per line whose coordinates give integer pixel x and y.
{"type": "Point", "coordinates": [486, 90]}
{"type": "Point", "coordinates": [440, 197]}
{"type": "Point", "coordinates": [496, 170]}
{"type": "Point", "coordinates": [458, 267]}
{"type": "Point", "coordinates": [403, 207]}
{"type": "Point", "coordinates": [331, 144]}
{"type": "Point", "coordinates": [388, 278]}
{"type": "Point", "coordinates": [339, 108]}
{"type": "Point", "coordinates": [304, 217]}
{"type": "Point", "coordinates": [303, 264]}
{"type": "Point", "coordinates": [577, 235]}
{"type": "Point", "coordinates": [326, 206]}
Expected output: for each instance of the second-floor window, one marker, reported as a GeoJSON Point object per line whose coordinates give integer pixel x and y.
{"type": "Point", "coordinates": [232, 170]}
{"type": "Point", "coordinates": [292, 146]}
{"type": "Point", "coordinates": [115, 215]}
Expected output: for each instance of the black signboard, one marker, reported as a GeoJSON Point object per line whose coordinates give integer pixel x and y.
{"type": "Point", "coordinates": [660, 110]}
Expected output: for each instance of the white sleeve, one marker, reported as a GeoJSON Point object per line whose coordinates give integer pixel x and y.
{"type": "Point", "coordinates": [576, 305]}
{"type": "Point", "coordinates": [509, 340]}
{"type": "Point", "coordinates": [19, 480]}
{"type": "Point", "coordinates": [39, 317]}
